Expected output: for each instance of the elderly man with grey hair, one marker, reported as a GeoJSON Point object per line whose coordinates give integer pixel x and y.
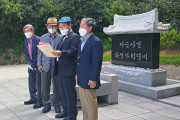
{"type": "Point", "coordinates": [90, 54]}
{"type": "Point", "coordinates": [34, 79]}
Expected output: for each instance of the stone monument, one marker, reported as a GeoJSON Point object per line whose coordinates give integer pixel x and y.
{"type": "Point", "coordinates": [135, 55]}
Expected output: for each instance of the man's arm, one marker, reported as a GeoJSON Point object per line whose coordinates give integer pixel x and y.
{"type": "Point", "coordinates": [36, 54]}
{"type": "Point", "coordinates": [97, 55]}
{"type": "Point", "coordinates": [39, 59]}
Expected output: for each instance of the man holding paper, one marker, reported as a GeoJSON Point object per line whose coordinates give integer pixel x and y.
{"type": "Point", "coordinates": [34, 78]}
{"type": "Point", "coordinates": [67, 52]}
{"type": "Point", "coordinates": [46, 66]}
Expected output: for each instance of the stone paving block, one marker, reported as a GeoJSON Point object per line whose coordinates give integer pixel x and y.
{"type": "Point", "coordinates": [14, 103]}
{"type": "Point", "coordinates": [16, 118]}
{"type": "Point", "coordinates": [132, 100]}
{"type": "Point", "coordinates": [154, 116]}
{"type": "Point", "coordinates": [2, 107]}
{"type": "Point", "coordinates": [172, 100]}
{"type": "Point", "coordinates": [161, 104]}
{"type": "Point", "coordinates": [102, 108]}
{"type": "Point", "coordinates": [19, 92]}
{"type": "Point", "coordinates": [8, 96]}
{"type": "Point", "coordinates": [149, 106]}
{"type": "Point", "coordinates": [122, 94]}
{"type": "Point", "coordinates": [7, 114]}
{"type": "Point", "coordinates": [102, 117]}
{"type": "Point", "coordinates": [134, 110]}
{"type": "Point", "coordinates": [133, 118]}
{"type": "Point", "coordinates": [35, 117]}
{"type": "Point", "coordinates": [23, 110]}
{"type": "Point", "coordinates": [172, 112]}
{"type": "Point", "coordinates": [24, 97]}
{"type": "Point", "coordinates": [115, 114]}
{"type": "Point", "coordinates": [2, 90]}
{"type": "Point", "coordinates": [121, 105]}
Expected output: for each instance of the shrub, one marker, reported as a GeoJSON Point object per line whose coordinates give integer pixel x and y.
{"type": "Point", "coordinates": [170, 40]}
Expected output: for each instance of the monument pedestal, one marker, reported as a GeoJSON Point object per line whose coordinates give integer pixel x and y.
{"type": "Point", "coordinates": [146, 82]}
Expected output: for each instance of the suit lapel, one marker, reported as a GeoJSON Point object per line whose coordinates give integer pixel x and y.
{"type": "Point", "coordinates": [33, 45]}
{"type": "Point", "coordinates": [66, 39]}
{"type": "Point", "coordinates": [85, 47]}
{"type": "Point", "coordinates": [27, 47]}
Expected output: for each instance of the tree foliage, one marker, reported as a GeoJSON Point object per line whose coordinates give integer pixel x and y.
{"type": "Point", "coordinates": [14, 14]}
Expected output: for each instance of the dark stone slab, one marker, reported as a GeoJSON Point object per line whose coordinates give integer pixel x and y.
{"type": "Point", "coordinates": [137, 50]}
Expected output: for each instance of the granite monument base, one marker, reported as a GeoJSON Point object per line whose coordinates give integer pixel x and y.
{"type": "Point", "coordinates": [149, 83]}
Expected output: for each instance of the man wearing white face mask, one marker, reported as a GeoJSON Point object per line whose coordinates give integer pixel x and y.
{"type": "Point", "coordinates": [34, 78]}
{"type": "Point", "coordinates": [90, 54]}
{"type": "Point", "coordinates": [46, 66]}
{"type": "Point", "coordinates": [67, 52]}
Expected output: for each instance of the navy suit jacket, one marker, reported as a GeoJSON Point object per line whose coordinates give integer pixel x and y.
{"type": "Point", "coordinates": [33, 61]}
{"type": "Point", "coordinates": [90, 62]}
{"type": "Point", "coordinates": [69, 49]}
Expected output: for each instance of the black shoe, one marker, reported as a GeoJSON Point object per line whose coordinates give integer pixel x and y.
{"type": "Point", "coordinates": [29, 102]}
{"type": "Point", "coordinates": [46, 109]}
{"type": "Point", "coordinates": [69, 118]}
{"type": "Point", "coordinates": [57, 109]}
{"type": "Point", "coordinates": [37, 105]}
{"type": "Point", "coordinates": [60, 115]}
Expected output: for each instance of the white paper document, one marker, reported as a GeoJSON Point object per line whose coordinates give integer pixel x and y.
{"type": "Point", "coordinates": [46, 49]}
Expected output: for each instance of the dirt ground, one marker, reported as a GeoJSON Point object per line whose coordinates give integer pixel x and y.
{"type": "Point", "coordinates": [173, 72]}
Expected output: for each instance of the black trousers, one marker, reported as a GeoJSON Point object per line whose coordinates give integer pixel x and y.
{"type": "Point", "coordinates": [68, 95]}
{"type": "Point", "coordinates": [34, 82]}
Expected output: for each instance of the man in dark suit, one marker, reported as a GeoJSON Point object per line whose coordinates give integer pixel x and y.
{"type": "Point", "coordinates": [34, 79]}
{"type": "Point", "coordinates": [90, 54]}
{"type": "Point", "coordinates": [68, 49]}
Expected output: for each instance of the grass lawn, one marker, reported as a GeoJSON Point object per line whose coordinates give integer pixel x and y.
{"type": "Point", "coordinates": [170, 59]}
{"type": "Point", "coordinates": [164, 59]}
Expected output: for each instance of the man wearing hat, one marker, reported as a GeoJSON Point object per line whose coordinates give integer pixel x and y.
{"type": "Point", "coordinates": [67, 52]}
{"type": "Point", "coordinates": [46, 66]}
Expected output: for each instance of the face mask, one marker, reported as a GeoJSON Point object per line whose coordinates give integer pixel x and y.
{"type": "Point", "coordinates": [64, 32]}
{"type": "Point", "coordinates": [28, 34]}
{"type": "Point", "coordinates": [82, 32]}
{"type": "Point", "coordinates": [52, 31]}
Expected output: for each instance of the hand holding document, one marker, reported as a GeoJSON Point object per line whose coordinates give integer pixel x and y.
{"type": "Point", "coordinates": [46, 49]}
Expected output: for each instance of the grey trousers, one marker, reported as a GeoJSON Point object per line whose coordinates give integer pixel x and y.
{"type": "Point", "coordinates": [46, 78]}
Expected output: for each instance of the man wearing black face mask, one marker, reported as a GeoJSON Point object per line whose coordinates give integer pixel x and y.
{"type": "Point", "coordinates": [67, 52]}
{"type": "Point", "coordinates": [47, 69]}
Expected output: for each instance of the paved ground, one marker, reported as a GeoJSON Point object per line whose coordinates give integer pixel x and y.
{"type": "Point", "coordinates": [14, 90]}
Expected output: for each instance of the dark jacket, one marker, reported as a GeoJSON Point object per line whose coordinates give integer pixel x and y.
{"type": "Point", "coordinates": [33, 61]}
{"type": "Point", "coordinates": [69, 49]}
{"type": "Point", "coordinates": [89, 62]}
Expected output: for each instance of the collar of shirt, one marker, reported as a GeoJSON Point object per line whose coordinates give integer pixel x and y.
{"type": "Point", "coordinates": [54, 35]}
{"type": "Point", "coordinates": [30, 41]}
{"type": "Point", "coordinates": [68, 33]}
{"type": "Point", "coordinates": [86, 38]}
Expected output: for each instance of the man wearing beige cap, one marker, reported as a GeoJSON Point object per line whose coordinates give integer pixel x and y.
{"type": "Point", "coordinates": [46, 66]}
